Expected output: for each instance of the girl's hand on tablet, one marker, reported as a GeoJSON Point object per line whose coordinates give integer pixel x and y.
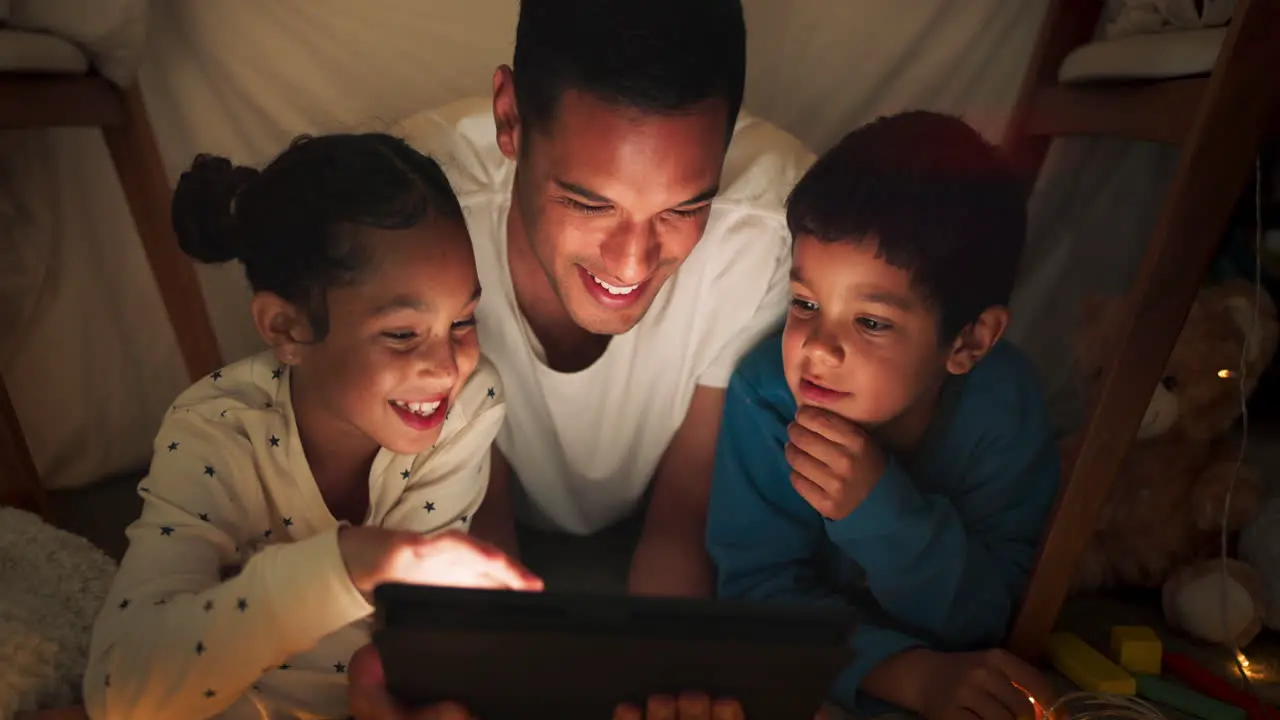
{"type": "Point", "coordinates": [375, 555]}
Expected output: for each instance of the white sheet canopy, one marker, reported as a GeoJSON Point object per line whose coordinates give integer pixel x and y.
{"type": "Point", "coordinates": [84, 343]}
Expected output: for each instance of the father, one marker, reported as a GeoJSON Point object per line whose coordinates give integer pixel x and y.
{"type": "Point", "coordinates": [618, 297]}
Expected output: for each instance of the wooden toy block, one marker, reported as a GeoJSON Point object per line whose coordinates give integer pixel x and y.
{"type": "Point", "coordinates": [1086, 667]}
{"type": "Point", "coordinates": [1186, 700]}
{"type": "Point", "coordinates": [1136, 648]}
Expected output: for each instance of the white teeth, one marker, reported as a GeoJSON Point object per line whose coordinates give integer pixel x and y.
{"type": "Point", "coordinates": [418, 408]}
{"type": "Point", "coordinates": [615, 289]}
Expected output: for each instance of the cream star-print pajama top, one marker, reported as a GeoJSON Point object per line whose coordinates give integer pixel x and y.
{"type": "Point", "coordinates": [233, 600]}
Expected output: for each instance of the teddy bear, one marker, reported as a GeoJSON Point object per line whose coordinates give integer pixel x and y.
{"type": "Point", "coordinates": [1161, 525]}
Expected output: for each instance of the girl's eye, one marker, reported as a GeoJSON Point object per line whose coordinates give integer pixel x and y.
{"type": "Point", "coordinates": [873, 325]}
{"type": "Point", "coordinates": [804, 306]}
{"type": "Point", "coordinates": [584, 208]}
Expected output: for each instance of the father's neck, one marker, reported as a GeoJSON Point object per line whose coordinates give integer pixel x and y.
{"type": "Point", "coordinates": [566, 346]}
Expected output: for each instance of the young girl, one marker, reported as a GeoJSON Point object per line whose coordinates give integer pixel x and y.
{"type": "Point", "coordinates": [353, 452]}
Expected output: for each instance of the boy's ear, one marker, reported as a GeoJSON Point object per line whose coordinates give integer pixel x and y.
{"type": "Point", "coordinates": [282, 326]}
{"type": "Point", "coordinates": [506, 116]}
{"type": "Point", "coordinates": [976, 339]}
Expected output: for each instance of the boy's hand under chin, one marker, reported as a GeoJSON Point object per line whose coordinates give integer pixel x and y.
{"type": "Point", "coordinates": [834, 462]}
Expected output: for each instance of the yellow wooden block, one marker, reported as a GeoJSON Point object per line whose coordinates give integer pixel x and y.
{"type": "Point", "coordinates": [1086, 667]}
{"type": "Point", "coordinates": [1136, 648]}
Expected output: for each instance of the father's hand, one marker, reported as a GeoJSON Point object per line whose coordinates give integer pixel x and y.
{"type": "Point", "coordinates": [368, 698]}
{"type": "Point", "coordinates": [689, 706]}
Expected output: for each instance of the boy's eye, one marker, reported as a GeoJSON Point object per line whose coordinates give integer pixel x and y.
{"type": "Point", "coordinates": [400, 335]}
{"type": "Point", "coordinates": [873, 325]}
{"type": "Point", "coordinates": [464, 324]}
{"type": "Point", "coordinates": [584, 208]}
{"type": "Point", "coordinates": [803, 306]}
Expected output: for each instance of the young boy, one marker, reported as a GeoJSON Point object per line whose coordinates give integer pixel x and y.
{"type": "Point", "coordinates": [886, 449]}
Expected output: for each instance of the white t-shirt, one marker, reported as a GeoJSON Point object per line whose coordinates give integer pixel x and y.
{"type": "Point", "coordinates": [230, 493]}
{"type": "Point", "coordinates": [585, 445]}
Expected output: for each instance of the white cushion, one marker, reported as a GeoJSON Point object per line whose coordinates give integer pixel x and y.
{"type": "Point", "coordinates": [1158, 56]}
{"type": "Point", "coordinates": [39, 53]}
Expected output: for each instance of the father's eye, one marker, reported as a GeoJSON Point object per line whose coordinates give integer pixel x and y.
{"type": "Point", "coordinates": [803, 306]}
{"type": "Point", "coordinates": [584, 208]}
{"type": "Point", "coordinates": [873, 325]}
{"type": "Point", "coordinates": [688, 213]}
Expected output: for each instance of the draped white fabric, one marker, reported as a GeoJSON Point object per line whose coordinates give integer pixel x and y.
{"type": "Point", "coordinates": [85, 345]}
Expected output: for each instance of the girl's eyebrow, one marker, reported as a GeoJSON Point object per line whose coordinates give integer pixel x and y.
{"type": "Point", "coordinates": [408, 302]}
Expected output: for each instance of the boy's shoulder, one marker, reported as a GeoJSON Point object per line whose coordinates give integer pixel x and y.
{"type": "Point", "coordinates": [760, 377]}
{"type": "Point", "coordinates": [1003, 393]}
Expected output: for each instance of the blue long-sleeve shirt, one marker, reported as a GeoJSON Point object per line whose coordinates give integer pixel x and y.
{"type": "Point", "coordinates": [937, 554]}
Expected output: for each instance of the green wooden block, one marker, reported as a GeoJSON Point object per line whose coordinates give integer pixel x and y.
{"type": "Point", "coordinates": [1184, 699]}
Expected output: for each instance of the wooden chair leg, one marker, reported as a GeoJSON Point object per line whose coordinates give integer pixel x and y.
{"type": "Point", "coordinates": [146, 189]}
{"type": "Point", "coordinates": [1215, 164]}
{"type": "Point", "coordinates": [19, 481]}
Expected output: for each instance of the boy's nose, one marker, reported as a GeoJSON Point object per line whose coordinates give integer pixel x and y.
{"type": "Point", "coordinates": [439, 364]}
{"type": "Point", "coordinates": [824, 348]}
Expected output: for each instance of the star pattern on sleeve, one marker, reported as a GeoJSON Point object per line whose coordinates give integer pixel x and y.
{"type": "Point", "coordinates": [217, 375]}
{"type": "Point", "coordinates": [274, 441]}
{"type": "Point", "coordinates": [266, 533]}
{"type": "Point", "coordinates": [123, 604]}
{"type": "Point", "coordinates": [284, 666]}
{"type": "Point", "coordinates": [208, 470]}
{"type": "Point", "coordinates": [209, 693]}
{"type": "Point", "coordinates": [275, 374]}
{"type": "Point", "coordinates": [492, 394]}
{"type": "Point", "coordinates": [200, 647]}
{"type": "Point", "coordinates": [173, 446]}
{"type": "Point", "coordinates": [429, 506]}
{"type": "Point", "coordinates": [339, 667]}
{"type": "Point", "coordinates": [166, 530]}
{"type": "Point", "coordinates": [204, 516]}
{"type": "Point", "coordinates": [242, 604]}
{"type": "Point", "coordinates": [404, 474]}
{"type": "Point", "coordinates": [288, 522]}
{"type": "Point", "coordinates": [208, 605]}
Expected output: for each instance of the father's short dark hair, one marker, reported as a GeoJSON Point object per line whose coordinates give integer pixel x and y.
{"type": "Point", "coordinates": [657, 56]}
{"type": "Point", "coordinates": [941, 202]}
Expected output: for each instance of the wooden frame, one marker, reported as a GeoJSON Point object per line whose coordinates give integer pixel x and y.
{"type": "Point", "coordinates": [35, 101]}
{"type": "Point", "coordinates": [1219, 123]}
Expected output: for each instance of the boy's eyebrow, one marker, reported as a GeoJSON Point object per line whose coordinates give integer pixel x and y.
{"type": "Point", "coordinates": [884, 297]}
{"type": "Point", "coordinates": [702, 197]}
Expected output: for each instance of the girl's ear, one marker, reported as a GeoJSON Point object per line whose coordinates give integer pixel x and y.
{"type": "Point", "coordinates": [282, 326]}
{"type": "Point", "coordinates": [976, 339]}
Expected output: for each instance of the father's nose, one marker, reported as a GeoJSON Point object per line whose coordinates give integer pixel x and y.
{"type": "Point", "coordinates": [631, 252]}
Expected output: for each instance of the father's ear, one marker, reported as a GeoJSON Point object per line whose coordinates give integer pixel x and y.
{"type": "Point", "coordinates": [506, 116]}
{"type": "Point", "coordinates": [976, 339]}
{"type": "Point", "coordinates": [282, 326]}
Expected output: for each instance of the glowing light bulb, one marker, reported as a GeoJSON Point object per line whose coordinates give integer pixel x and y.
{"type": "Point", "coordinates": [1225, 373]}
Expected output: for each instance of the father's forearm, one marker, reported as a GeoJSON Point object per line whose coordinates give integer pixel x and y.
{"type": "Point", "coordinates": [670, 562]}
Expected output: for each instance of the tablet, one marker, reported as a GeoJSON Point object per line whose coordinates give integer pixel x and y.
{"type": "Point", "coordinates": [508, 655]}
